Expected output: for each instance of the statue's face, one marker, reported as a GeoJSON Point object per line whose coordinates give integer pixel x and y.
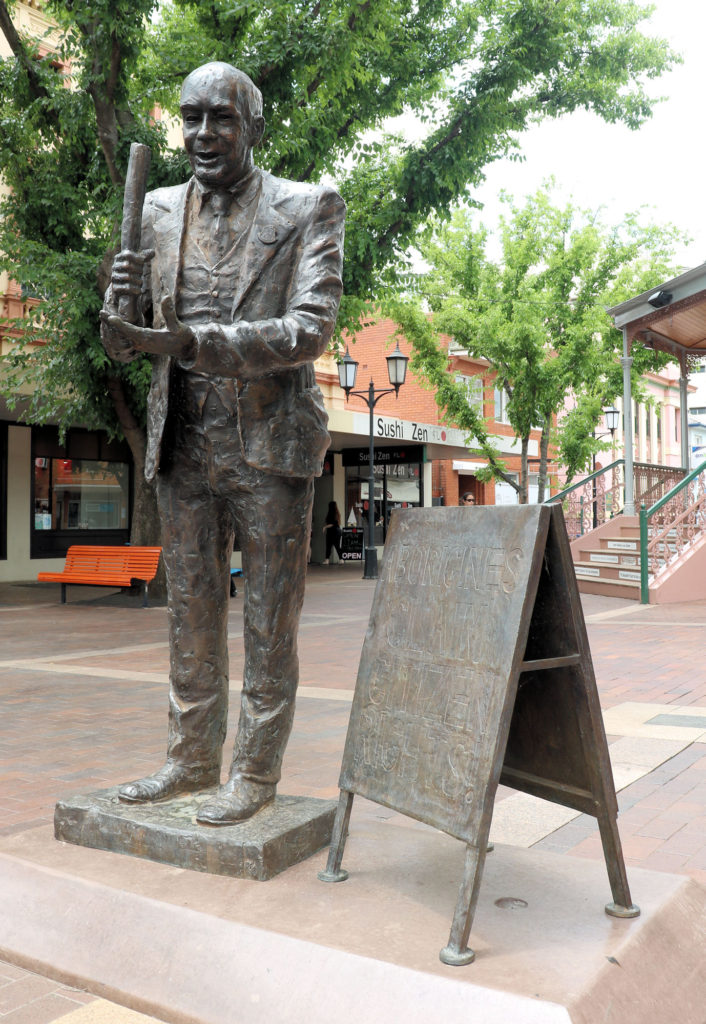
{"type": "Point", "coordinates": [219, 132]}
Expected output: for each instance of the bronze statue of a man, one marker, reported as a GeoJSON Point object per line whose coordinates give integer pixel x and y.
{"type": "Point", "coordinates": [238, 286]}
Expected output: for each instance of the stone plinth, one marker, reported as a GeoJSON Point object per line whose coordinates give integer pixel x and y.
{"type": "Point", "coordinates": [280, 835]}
{"type": "Point", "coordinates": [196, 948]}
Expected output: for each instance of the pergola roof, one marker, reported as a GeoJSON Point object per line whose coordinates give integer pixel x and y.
{"type": "Point", "coordinates": [678, 326]}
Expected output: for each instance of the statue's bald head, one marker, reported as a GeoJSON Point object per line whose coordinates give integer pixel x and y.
{"type": "Point", "coordinates": [243, 90]}
{"type": "Point", "coordinates": [221, 112]}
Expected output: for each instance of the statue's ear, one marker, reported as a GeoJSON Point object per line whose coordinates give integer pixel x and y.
{"type": "Point", "coordinates": [257, 130]}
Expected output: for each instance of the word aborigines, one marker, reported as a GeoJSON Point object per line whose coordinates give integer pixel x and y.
{"type": "Point", "coordinates": [466, 568]}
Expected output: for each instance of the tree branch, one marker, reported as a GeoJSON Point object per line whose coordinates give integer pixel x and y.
{"type": "Point", "coordinates": [107, 133]}
{"type": "Point", "coordinates": [362, 8]}
{"type": "Point", "coordinates": [19, 50]}
{"type": "Point", "coordinates": [106, 114]}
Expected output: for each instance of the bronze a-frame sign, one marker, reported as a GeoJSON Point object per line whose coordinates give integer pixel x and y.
{"type": "Point", "coordinates": [476, 670]}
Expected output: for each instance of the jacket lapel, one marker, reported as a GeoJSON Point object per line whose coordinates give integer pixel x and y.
{"type": "Point", "coordinates": [169, 225]}
{"type": "Point", "coordinates": [270, 228]}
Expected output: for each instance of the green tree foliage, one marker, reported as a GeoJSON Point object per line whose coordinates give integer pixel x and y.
{"type": "Point", "coordinates": [475, 72]}
{"type": "Point", "coordinates": [537, 315]}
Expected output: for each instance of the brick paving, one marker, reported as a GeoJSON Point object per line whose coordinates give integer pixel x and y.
{"type": "Point", "coordinates": [83, 705]}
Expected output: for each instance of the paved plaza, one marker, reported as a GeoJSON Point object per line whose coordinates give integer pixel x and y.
{"type": "Point", "coordinates": [83, 691]}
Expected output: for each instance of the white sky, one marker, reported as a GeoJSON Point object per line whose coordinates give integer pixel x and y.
{"type": "Point", "coordinates": [662, 165]}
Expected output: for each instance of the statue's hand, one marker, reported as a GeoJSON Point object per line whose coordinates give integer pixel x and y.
{"type": "Point", "coordinates": [124, 293]}
{"type": "Point", "coordinates": [114, 343]}
{"type": "Point", "coordinates": [128, 268]}
{"type": "Point", "coordinates": [174, 339]}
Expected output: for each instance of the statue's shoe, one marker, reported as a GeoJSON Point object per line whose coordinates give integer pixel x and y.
{"type": "Point", "coordinates": [169, 781]}
{"type": "Point", "coordinates": [237, 801]}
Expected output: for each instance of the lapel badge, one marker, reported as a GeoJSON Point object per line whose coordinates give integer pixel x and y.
{"type": "Point", "coordinates": [267, 234]}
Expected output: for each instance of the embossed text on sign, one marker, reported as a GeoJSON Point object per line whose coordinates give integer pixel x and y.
{"type": "Point", "coordinates": [433, 675]}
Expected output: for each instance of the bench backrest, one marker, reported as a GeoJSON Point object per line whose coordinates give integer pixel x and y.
{"type": "Point", "coordinates": [140, 563]}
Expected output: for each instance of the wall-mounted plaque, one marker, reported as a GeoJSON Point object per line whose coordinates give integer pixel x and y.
{"type": "Point", "coordinates": [476, 668]}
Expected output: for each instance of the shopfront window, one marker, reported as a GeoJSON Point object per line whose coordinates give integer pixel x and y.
{"type": "Point", "coordinates": [397, 485]}
{"type": "Point", "coordinates": [81, 491]}
{"type": "Point", "coordinates": [80, 494]}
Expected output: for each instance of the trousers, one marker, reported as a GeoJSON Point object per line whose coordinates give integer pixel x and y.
{"type": "Point", "coordinates": [206, 494]}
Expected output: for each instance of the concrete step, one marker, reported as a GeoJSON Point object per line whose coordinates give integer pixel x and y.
{"type": "Point", "coordinates": [591, 570]}
{"type": "Point", "coordinates": [608, 588]}
{"type": "Point", "coordinates": [627, 531]}
{"type": "Point", "coordinates": [600, 556]}
{"type": "Point", "coordinates": [622, 543]}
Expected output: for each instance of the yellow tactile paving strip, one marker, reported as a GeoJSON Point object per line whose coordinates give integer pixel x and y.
{"type": "Point", "coordinates": [102, 1012]}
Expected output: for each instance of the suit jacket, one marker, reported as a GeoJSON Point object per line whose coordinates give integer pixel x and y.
{"type": "Point", "coordinates": [283, 313]}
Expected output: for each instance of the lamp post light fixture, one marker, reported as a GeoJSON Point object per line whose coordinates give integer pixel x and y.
{"type": "Point", "coordinates": [612, 415]}
{"type": "Point", "coordinates": [396, 371]}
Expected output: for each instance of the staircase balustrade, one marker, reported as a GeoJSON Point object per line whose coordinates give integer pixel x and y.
{"type": "Point", "coordinates": [601, 496]}
{"type": "Point", "coordinates": [593, 500]}
{"type": "Point", "coordinates": [652, 482]}
{"type": "Point", "coordinates": [670, 526]}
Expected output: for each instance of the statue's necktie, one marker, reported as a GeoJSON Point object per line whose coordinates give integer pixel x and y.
{"type": "Point", "coordinates": [220, 236]}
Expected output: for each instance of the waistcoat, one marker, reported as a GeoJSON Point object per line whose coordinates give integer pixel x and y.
{"type": "Point", "coordinates": [205, 295]}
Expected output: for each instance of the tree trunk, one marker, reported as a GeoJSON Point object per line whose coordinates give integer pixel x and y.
{"type": "Point", "coordinates": [145, 528]}
{"type": "Point", "coordinates": [524, 472]}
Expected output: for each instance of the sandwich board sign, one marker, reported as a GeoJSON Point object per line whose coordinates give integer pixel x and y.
{"type": "Point", "coordinates": [476, 670]}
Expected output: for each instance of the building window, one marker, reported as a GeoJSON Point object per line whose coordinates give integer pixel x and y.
{"type": "Point", "coordinates": [81, 491]}
{"type": "Point", "coordinates": [505, 493]}
{"type": "Point", "coordinates": [473, 386]}
{"type": "Point", "coordinates": [501, 403]}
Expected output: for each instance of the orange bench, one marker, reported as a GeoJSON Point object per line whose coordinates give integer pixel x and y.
{"type": "Point", "coordinates": [106, 567]}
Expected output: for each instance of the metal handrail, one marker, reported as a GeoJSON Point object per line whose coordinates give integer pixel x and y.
{"type": "Point", "coordinates": [647, 514]}
{"type": "Point", "coordinates": [583, 481]}
{"type": "Point", "coordinates": [602, 493]}
{"type": "Point", "coordinates": [599, 495]}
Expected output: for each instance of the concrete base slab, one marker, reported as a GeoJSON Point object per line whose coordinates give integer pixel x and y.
{"type": "Point", "coordinates": [278, 836]}
{"type": "Point", "coordinates": [207, 949]}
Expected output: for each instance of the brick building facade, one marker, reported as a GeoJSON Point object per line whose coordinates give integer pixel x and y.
{"type": "Point", "coordinates": [453, 464]}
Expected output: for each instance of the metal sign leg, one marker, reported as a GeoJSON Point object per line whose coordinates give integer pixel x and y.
{"type": "Point", "coordinates": [457, 953]}
{"type": "Point", "coordinates": [333, 871]}
{"type": "Point", "coordinates": [622, 905]}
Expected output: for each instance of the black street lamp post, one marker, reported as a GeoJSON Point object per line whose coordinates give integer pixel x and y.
{"type": "Point", "coordinates": [396, 371]}
{"type": "Point", "coordinates": [611, 421]}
